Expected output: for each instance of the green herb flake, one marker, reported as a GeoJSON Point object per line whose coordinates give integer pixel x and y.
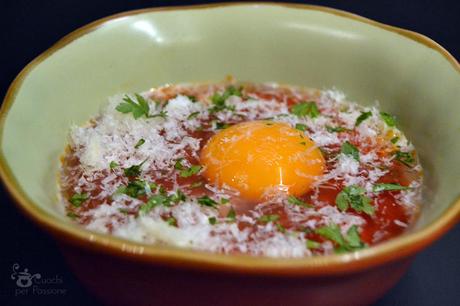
{"type": "Point", "coordinates": [113, 165]}
{"type": "Point", "coordinates": [161, 114]}
{"type": "Point", "coordinates": [221, 125]}
{"type": "Point", "coordinates": [134, 170]}
{"type": "Point", "coordinates": [186, 171]}
{"type": "Point", "coordinates": [207, 201]}
{"type": "Point", "coordinates": [171, 221]}
{"type": "Point", "coordinates": [193, 115]}
{"type": "Point", "coordinates": [301, 127]}
{"type": "Point", "coordinates": [72, 215]}
{"type": "Point", "coordinates": [153, 187]}
{"type": "Point", "coordinates": [280, 228]}
{"type": "Point", "coordinates": [78, 198]}
{"type": "Point", "coordinates": [353, 239]}
{"type": "Point", "coordinates": [303, 109]}
{"type": "Point", "coordinates": [350, 242]}
{"type": "Point", "coordinates": [390, 120]}
{"type": "Point", "coordinates": [139, 143]}
{"type": "Point", "coordinates": [162, 191]}
{"type": "Point", "coordinates": [269, 218]}
{"type": "Point", "coordinates": [179, 196]}
{"type": "Point", "coordinates": [394, 140]}
{"type": "Point", "coordinates": [124, 211]}
{"type": "Point", "coordinates": [154, 201]}
{"type": "Point", "coordinates": [231, 214]}
{"type": "Point", "coordinates": [194, 169]}
{"type": "Point", "coordinates": [134, 189]}
{"type": "Point", "coordinates": [212, 220]}
{"type": "Point", "coordinates": [331, 232]}
{"type": "Point", "coordinates": [349, 149]}
{"type": "Point", "coordinates": [296, 201]}
{"type": "Point", "coordinates": [388, 187]}
{"type": "Point", "coordinates": [337, 129]}
{"type": "Point", "coordinates": [139, 109]}
{"type": "Point", "coordinates": [192, 98]}
{"type": "Point", "coordinates": [218, 100]}
{"type": "Point", "coordinates": [178, 165]}
{"type": "Point", "coordinates": [354, 196]}
{"type": "Point", "coordinates": [364, 116]}
{"type": "Point", "coordinates": [311, 244]}
{"type": "Point", "coordinates": [405, 158]}
{"type": "Point", "coordinates": [224, 201]}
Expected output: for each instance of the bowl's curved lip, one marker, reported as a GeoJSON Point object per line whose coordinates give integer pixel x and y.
{"type": "Point", "coordinates": [398, 248]}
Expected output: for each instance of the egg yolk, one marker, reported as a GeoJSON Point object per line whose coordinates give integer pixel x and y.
{"type": "Point", "coordinates": [260, 159]}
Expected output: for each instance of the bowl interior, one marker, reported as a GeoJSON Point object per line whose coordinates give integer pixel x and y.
{"type": "Point", "coordinates": [260, 43]}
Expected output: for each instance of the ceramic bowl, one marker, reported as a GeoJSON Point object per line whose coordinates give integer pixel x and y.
{"type": "Point", "coordinates": [411, 76]}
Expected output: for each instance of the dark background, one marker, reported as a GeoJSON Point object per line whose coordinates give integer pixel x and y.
{"type": "Point", "coordinates": [30, 27]}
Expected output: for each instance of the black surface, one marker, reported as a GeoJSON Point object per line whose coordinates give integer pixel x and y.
{"type": "Point", "coordinates": [30, 27]}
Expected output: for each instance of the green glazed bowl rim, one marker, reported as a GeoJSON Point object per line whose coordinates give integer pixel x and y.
{"type": "Point", "coordinates": [390, 251]}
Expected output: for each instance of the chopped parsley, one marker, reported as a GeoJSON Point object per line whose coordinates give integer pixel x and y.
{"type": "Point", "coordinates": [388, 187]}
{"type": "Point", "coordinates": [113, 165]}
{"type": "Point", "coordinates": [139, 109]}
{"type": "Point", "coordinates": [301, 127]}
{"type": "Point", "coordinates": [78, 198]}
{"type": "Point", "coordinates": [269, 218]}
{"type": "Point", "coordinates": [218, 100]}
{"type": "Point", "coordinates": [139, 143]}
{"type": "Point", "coordinates": [354, 196]}
{"type": "Point", "coordinates": [192, 98]}
{"type": "Point", "coordinates": [171, 221]}
{"type": "Point", "coordinates": [350, 242]}
{"type": "Point", "coordinates": [212, 220]}
{"type": "Point", "coordinates": [231, 214]}
{"type": "Point", "coordinates": [134, 170]}
{"type": "Point", "coordinates": [124, 211]}
{"type": "Point", "coordinates": [394, 139]}
{"type": "Point", "coordinates": [349, 149]}
{"type": "Point", "coordinates": [178, 197]}
{"type": "Point", "coordinates": [155, 200]}
{"type": "Point", "coordinates": [153, 187]}
{"type": "Point", "coordinates": [193, 115]}
{"type": "Point", "coordinates": [72, 215]}
{"type": "Point", "coordinates": [221, 125]}
{"type": "Point", "coordinates": [207, 201]}
{"type": "Point", "coordinates": [331, 232]}
{"type": "Point", "coordinates": [390, 120]}
{"type": "Point", "coordinates": [280, 228]}
{"type": "Point", "coordinates": [186, 171]}
{"type": "Point", "coordinates": [161, 114]}
{"type": "Point", "coordinates": [134, 189]}
{"type": "Point", "coordinates": [336, 129]}
{"type": "Point", "coordinates": [296, 201]}
{"type": "Point", "coordinates": [364, 116]}
{"type": "Point", "coordinates": [303, 109]}
{"type": "Point", "coordinates": [405, 157]}
{"type": "Point", "coordinates": [311, 244]}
